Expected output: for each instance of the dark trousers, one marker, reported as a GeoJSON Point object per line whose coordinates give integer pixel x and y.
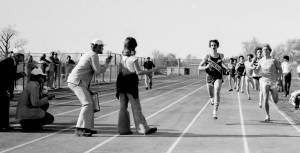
{"type": "Point", "coordinates": [4, 109]}
{"type": "Point", "coordinates": [297, 102]}
{"type": "Point", "coordinates": [36, 124]}
{"type": "Point", "coordinates": [287, 78]}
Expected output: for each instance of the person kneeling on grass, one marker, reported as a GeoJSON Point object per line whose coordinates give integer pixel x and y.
{"type": "Point", "coordinates": [270, 70]}
{"type": "Point", "coordinates": [33, 104]}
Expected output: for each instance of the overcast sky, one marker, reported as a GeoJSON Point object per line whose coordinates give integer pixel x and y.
{"type": "Point", "coordinates": [181, 27]}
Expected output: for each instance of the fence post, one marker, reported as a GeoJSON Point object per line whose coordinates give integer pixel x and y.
{"type": "Point", "coordinates": [58, 76]}
{"type": "Point", "coordinates": [24, 76]}
{"type": "Point", "coordinates": [178, 66]}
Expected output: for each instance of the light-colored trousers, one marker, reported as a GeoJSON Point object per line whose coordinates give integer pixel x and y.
{"type": "Point", "coordinates": [148, 80]}
{"type": "Point", "coordinates": [124, 118]}
{"type": "Point", "coordinates": [86, 115]}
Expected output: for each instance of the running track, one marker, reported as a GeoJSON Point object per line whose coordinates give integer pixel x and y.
{"type": "Point", "coordinates": [179, 108]}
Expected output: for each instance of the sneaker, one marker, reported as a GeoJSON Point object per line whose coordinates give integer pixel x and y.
{"type": "Point", "coordinates": [211, 101]}
{"type": "Point", "coordinates": [249, 98]}
{"type": "Point", "coordinates": [126, 133]}
{"type": "Point", "coordinates": [259, 105]}
{"type": "Point", "coordinates": [146, 88]}
{"type": "Point", "coordinates": [215, 115]}
{"type": "Point", "coordinates": [230, 90]}
{"type": "Point", "coordinates": [151, 131]}
{"type": "Point", "coordinates": [82, 132]}
{"type": "Point", "coordinates": [267, 119]}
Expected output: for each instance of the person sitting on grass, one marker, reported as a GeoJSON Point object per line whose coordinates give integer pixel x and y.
{"type": "Point", "coordinates": [33, 104]}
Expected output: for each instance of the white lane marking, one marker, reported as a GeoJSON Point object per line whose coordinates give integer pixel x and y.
{"type": "Point", "coordinates": [73, 110]}
{"type": "Point", "coordinates": [46, 136]}
{"type": "Point", "coordinates": [291, 122]}
{"type": "Point", "coordinates": [163, 109]}
{"type": "Point", "coordinates": [102, 95]}
{"type": "Point", "coordinates": [49, 135]}
{"type": "Point", "coordinates": [69, 95]}
{"type": "Point", "coordinates": [186, 129]}
{"type": "Point", "coordinates": [245, 141]}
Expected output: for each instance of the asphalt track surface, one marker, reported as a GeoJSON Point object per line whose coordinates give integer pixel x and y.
{"type": "Point", "coordinates": [179, 108]}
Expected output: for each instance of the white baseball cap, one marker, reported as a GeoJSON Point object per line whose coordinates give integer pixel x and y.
{"type": "Point", "coordinates": [97, 42]}
{"type": "Point", "coordinates": [37, 71]}
{"type": "Point", "coordinates": [19, 50]}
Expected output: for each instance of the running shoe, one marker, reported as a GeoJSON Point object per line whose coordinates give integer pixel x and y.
{"type": "Point", "coordinates": [151, 131]}
{"type": "Point", "coordinates": [211, 101]}
{"type": "Point", "coordinates": [215, 115]}
{"type": "Point", "coordinates": [267, 119]}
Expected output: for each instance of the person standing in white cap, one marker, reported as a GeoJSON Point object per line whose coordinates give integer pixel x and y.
{"type": "Point", "coordinates": [79, 80]}
{"type": "Point", "coordinates": [8, 67]}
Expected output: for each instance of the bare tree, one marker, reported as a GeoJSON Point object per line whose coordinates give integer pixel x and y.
{"type": "Point", "coordinates": [6, 36]}
{"type": "Point", "coordinates": [20, 43]}
{"type": "Point", "coordinates": [249, 46]}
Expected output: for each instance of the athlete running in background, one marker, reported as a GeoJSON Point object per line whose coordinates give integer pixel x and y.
{"type": "Point", "coordinates": [231, 76]}
{"type": "Point", "coordinates": [270, 70]}
{"type": "Point", "coordinates": [248, 77]}
{"type": "Point", "coordinates": [255, 75]}
{"type": "Point", "coordinates": [212, 64]}
{"type": "Point", "coordinates": [240, 74]}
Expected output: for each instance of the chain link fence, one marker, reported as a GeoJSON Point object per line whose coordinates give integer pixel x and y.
{"type": "Point", "coordinates": [57, 78]}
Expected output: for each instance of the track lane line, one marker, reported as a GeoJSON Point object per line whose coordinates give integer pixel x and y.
{"type": "Point", "coordinates": [245, 141]}
{"type": "Point", "coordinates": [41, 138]}
{"type": "Point", "coordinates": [187, 128]}
{"type": "Point", "coordinates": [114, 93]}
{"type": "Point", "coordinates": [154, 114]}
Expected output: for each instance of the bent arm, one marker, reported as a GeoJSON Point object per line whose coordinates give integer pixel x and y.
{"type": "Point", "coordinates": [96, 66]}
{"type": "Point", "coordinates": [138, 69]}
{"type": "Point", "coordinates": [35, 98]}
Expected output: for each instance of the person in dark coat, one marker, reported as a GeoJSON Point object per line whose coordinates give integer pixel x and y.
{"type": "Point", "coordinates": [8, 68]}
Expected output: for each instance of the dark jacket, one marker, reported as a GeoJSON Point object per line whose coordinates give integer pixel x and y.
{"type": "Point", "coordinates": [8, 73]}
{"type": "Point", "coordinates": [148, 65]}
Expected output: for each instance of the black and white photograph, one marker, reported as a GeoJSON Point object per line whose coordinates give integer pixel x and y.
{"type": "Point", "coordinates": [149, 76]}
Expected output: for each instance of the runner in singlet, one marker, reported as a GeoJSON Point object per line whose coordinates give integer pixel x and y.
{"type": "Point", "coordinates": [231, 76]}
{"type": "Point", "coordinates": [240, 74]}
{"type": "Point", "coordinates": [270, 70]}
{"type": "Point", "coordinates": [249, 73]}
{"type": "Point", "coordinates": [255, 75]}
{"type": "Point", "coordinates": [213, 64]}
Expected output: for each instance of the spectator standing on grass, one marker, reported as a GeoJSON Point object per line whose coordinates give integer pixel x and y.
{"type": "Point", "coordinates": [8, 67]}
{"type": "Point", "coordinates": [44, 63]}
{"type": "Point", "coordinates": [127, 91]}
{"type": "Point", "coordinates": [30, 65]}
{"type": "Point", "coordinates": [286, 74]}
{"type": "Point", "coordinates": [148, 65]}
{"type": "Point", "coordinates": [270, 70]}
{"type": "Point", "coordinates": [56, 68]}
{"type": "Point", "coordinates": [79, 80]}
{"type": "Point", "coordinates": [51, 71]}
{"type": "Point", "coordinates": [33, 104]}
{"type": "Point", "coordinates": [213, 65]}
{"type": "Point", "coordinates": [69, 65]}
